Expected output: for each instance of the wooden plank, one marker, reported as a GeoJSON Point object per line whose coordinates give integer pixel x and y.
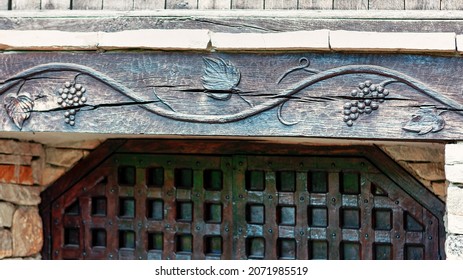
{"type": "Point", "coordinates": [315, 4]}
{"type": "Point", "coordinates": [297, 105]}
{"type": "Point", "coordinates": [181, 4]}
{"type": "Point", "coordinates": [25, 4]}
{"type": "Point", "coordinates": [87, 4]}
{"type": "Point", "coordinates": [247, 4]}
{"type": "Point", "coordinates": [386, 4]}
{"type": "Point", "coordinates": [56, 4]}
{"type": "Point", "coordinates": [122, 5]}
{"type": "Point", "coordinates": [4, 4]}
{"type": "Point", "coordinates": [451, 5]}
{"type": "Point", "coordinates": [148, 4]}
{"type": "Point", "coordinates": [214, 4]}
{"type": "Point", "coordinates": [422, 4]}
{"type": "Point", "coordinates": [280, 4]}
{"type": "Point", "coordinates": [350, 5]}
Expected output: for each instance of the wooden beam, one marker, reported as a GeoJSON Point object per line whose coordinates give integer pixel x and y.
{"type": "Point", "coordinates": [25, 4]}
{"type": "Point", "coordinates": [339, 96]}
{"type": "Point", "coordinates": [422, 4]}
{"type": "Point", "coordinates": [56, 4]}
{"type": "Point", "coordinates": [214, 4]}
{"type": "Point", "coordinates": [315, 4]}
{"type": "Point", "coordinates": [386, 4]}
{"type": "Point", "coordinates": [148, 4]}
{"type": "Point", "coordinates": [87, 4]}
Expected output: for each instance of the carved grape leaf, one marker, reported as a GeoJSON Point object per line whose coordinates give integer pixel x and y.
{"type": "Point", "coordinates": [220, 78]}
{"type": "Point", "coordinates": [424, 121]}
{"type": "Point", "coordinates": [19, 107]}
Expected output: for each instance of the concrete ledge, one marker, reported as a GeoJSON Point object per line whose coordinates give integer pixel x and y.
{"type": "Point", "coordinates": [47, 40]}
{"type": "Point", "coordinates": [205, 40]}
{"type": "Point", "coordinates": [179, 39]}
{"type": "Point", "coordinates": [392, 42]}
{"type": "Point", "coordinates": [460, 43]}
{"type": "Point", "coordinates": [299, 40]}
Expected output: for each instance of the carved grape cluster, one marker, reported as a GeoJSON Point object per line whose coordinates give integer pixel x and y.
{"type": "Point", "coordinates": [367, 98]}
{"type": "Point", "coordinates": [71, 97]}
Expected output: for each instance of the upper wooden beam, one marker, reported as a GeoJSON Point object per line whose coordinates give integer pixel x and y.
{"type": "Point", "coordinates": [236, 21]}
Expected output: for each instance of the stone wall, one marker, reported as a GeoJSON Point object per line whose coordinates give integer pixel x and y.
{"type": "Point", "coordinates": [25, 170]}
{"type": "Point", "coordinates": [454, 217]}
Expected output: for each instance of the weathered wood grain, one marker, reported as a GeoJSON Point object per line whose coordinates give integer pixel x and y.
{"type": "Point", "coordinates": [122, 5]}
{"type": "Point", "coordinates": [386, 4]}
{"type": "Point", "coordinates": [56, 4]}
{"type": "Point", "coordinates": [87, 4]}
{"type": "Point", "coordinates": [315, 4]}
{"type": "Point", "coordinates": [214, 4]}
{"type": "Point", "coordinates": [247, 4]}
{"type": "Point", "coordinates": [4, 4]}
{"type": "Point", "coordinates": [281, 4]}
{"type": "Point", "coordinates": [25, 4]}
{"type": "Point", "coordinates": [350, 5]}
{"type": "Point", "coordinates": [152, 93]}
{"type": "Point", "coordinates": [422, 4]}
{"type": "Point", "coordinates": [148, 4]}
{"type": "Point", "coordinates": [235, 22]}
{"type": "Point", "coordinates": [181, 4]}
{"type": "Point", "coordinates": [451, 4]}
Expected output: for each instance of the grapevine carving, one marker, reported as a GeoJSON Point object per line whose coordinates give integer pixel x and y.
{"type": "Point", "coordinates": [221, 79]}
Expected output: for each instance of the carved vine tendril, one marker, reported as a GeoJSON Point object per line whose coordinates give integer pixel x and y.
{"type": "Point", "coordinates": [284, 96]}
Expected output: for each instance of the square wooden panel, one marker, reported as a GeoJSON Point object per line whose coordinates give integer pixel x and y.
{"type": "Point", "coordinates": [286, 181]}
{"type": "Point", "coordinates": [382, 219]}
{"type": "Point", "coordinates": [255, 180]}
{"type": "Point", "coordinates": [286, 215]}
{"type": "Point", "coordinates": [350, 218]}
{"type": "Point", "coordinates": [184, 211]}
{"type": "Point", "coordinates": [213, 180]}
{"type": "Point", "coordinates": [318, 249]}
{"type": "Point", "coordinates": [98, 237]}
{"type": "Point", "coordinates": [213, 245]}
{"type": "Point", "coordinates": [255, 214]}
{"type": "Point", "coordinates": [155, 177]}
{"type": "Point", "coordinates": [184, 243]}
{"type": "Point", "coordinates": [317, 216]}
{"type": "Point", "coordinates": [350, 183]}
{"type": "Point", "coordinates": [126, 175]}
{"type": "Point", "coordinates": [126, 207]}
{"type": "Point", "coordinates": [155, 209]}
{"type": "Point", "coordinates": [99, 205]}
{"type": "Point", "coordinates": [213, 213]}
{"type": "Point", "coordinates": [286, 249]}
{"type": "Point", "coordinates": [382, 251]}
{"type": "Point", "coordinates": [71, 237]}
{"type": "Point", "coordinates": [126, 239]}
{"type": "Point", "coordinates": [318, 182]}
{"type": "Point", "coordinates": [255, 248]}
{"type": "Point", "coordinates": [155, 241]}
{"type": "Point", "coordinates": [350, 251]}
{"type": "Point", "coordinates": [183, 178]}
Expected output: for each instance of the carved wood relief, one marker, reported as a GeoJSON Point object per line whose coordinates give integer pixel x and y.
{"type": "Point", "coordinates": [320, 95]}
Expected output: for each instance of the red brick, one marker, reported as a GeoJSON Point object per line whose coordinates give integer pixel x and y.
{"type": "Point", "coordinates": [25, 175]}
{"type": "Point", "coordinates": [7, 173]}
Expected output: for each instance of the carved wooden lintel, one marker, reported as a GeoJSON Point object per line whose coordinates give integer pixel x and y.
{"type": "Point", "coordinates": [315, 95]}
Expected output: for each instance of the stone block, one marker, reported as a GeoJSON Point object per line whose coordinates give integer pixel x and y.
{"type": "Point", "coordinates": [63, 157]}
{"type": "Point", "coordinates": [392, 41]}
{"type": "Point", "coordinates": [454, 153]}
{"type": "Point", "coordinates": [297, 40]}
{"type": "Point", "coordinates": [439, 189]}
{"type": "Point", "coordinates": [25, 175]}
{"type": "Point", "coordinates": [50, 174]}
{"type": "Point", "coordinates": [7, 173]}
{"type": "Point", "coordinates": [178, 39]}
{"type": "Point", "coordinates": [83, 145]}
{"type": "Point", "coordinates": [27, 232]}
{"type": "Point", "coordinates": [454, 173]}
{"type": "Point", "coordinates": [15, 159]}
{"type": "Point", "coordinates": [460, 43]}
{"type": "Point", "coordinates": [20, 148]}
{"type": "Point", "coordinates": [454, 200]}
{"type": "Point", "coordinates": [20, 195]}
{"type": "Point", "coordinates": [454, 224]}
{"type": "Point", "coordinates": [47, 40]}
{"type": "Point", "coordinates": [6, 244]}
{"type": "Point", "coordinates": [6, 214]}
{"type": "Point", "coordinates": [454, 247]}
{"type": "Point", "coordinates": [431, 171]}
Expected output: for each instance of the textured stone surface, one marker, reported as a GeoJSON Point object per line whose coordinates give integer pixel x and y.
{"type": "Point", "coordinates": [51, 174]}
{"type": "Point", "coordinates": [63, 157]}
{"type": "Point", "coordinates": [6, 244]}
{"type": "Point", "coordinates": [27, 232]}
{"type": "Point", "coordinates": [454, 173]}
{"type": "Point", "coordinates": [20, 148]}
{"type": "Point", "coordinates": [454, 224]}
{"type": "Point", "coordinates": [455, 200]}
{"type": "Point", "coordinates": [454, 247]}
{"type": "Point", "coordinates": [392, 41]}
{"type": "Point", "coordinates": [85, 145]}
{"type": "Point", "coordinates": [428, 153]}
{"type": "Point", "coordinates": [454, 153]}
{"type": "Point", "coordinates": [440, 189]}
{"type": "Point", "coordinates": [299, 40]}
{"type": "Point", "coordinates": [431, 171]}
{"type": "Point", "coordinates": [20, 195]}
{"type": "Point", "coordinates": [6, 214]}
{"type": "Point", "coordinates": [177, 39]}
{"type": "Point", "coordinates": [15, 159]}
{"type": "Point", "coordinates": [47, 40]}
{"type": "Point", "coordinates": [460, 43]}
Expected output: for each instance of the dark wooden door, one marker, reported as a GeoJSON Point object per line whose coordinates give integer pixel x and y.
{"type": "Point", "coordinates": [164, 206]}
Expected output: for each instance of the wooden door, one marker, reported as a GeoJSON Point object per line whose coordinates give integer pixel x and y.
{"type": "Point", "coordinates": [232, 206]}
